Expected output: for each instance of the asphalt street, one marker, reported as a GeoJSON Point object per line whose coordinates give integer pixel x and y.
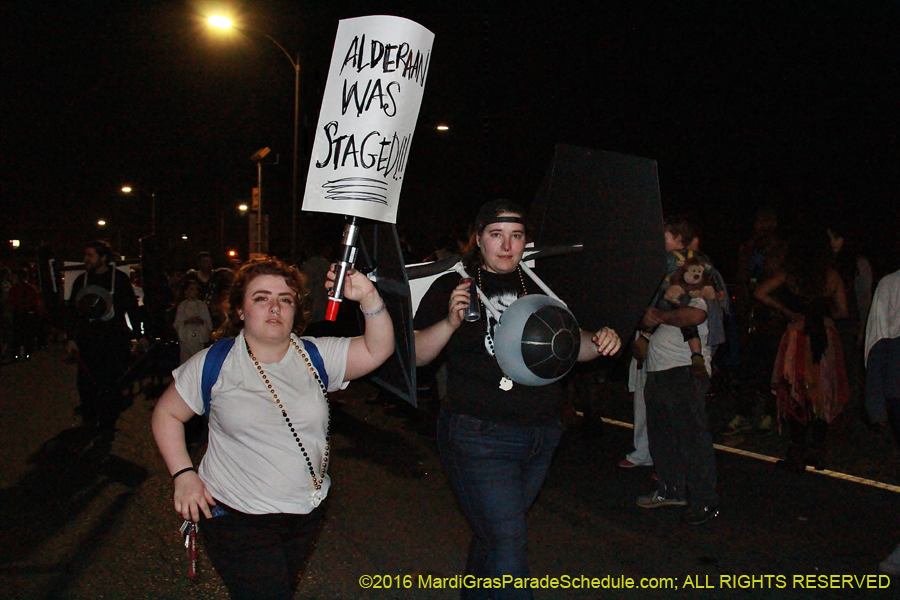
{"type": "Point", "coordinates": [88, 517]}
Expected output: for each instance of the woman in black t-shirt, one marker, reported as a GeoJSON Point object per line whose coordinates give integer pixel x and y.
{"type": "Point", "coordinates": [496, 437]}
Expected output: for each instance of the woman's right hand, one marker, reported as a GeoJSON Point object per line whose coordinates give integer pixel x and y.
{"type": "Point", "coordinates": [192, 497]}
{"type": "Point", "coordinates": [459, 301]}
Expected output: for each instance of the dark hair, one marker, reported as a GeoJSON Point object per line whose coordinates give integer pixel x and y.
{"type": "Point", "coordinates": [472, 253]}
{"type": "Point", "coordinates": [102, 249]}
{"type": "Point", "coordinates": [250, 271]}
{"type": "Point", "coordinates": [681, 226]}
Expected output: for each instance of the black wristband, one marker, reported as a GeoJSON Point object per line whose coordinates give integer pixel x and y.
{"type": "Point", "coordinates": [693, 354]}
{"type": "Point", "coordinates": [181, 472]}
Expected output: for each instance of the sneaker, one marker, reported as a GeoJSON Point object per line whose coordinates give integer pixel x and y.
{"type": "Point", "coordinates": [699, 514]}
{"type": "Point", "coordinates": [738, 424]}
{"type": "Point", "coordinates": [655, 500]}
{"type": "Point", "coordinates": [891, 565]}
{"type": "Point", "coordinates": [627, 464]}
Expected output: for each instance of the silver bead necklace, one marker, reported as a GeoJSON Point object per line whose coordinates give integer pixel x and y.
{"type": "Point", "coordinates": [506, 383]}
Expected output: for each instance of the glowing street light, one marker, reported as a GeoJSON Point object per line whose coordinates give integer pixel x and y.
{"type": "Point", "coordinates": [442, 128]}
{"type": "Point", "coordinates": [221, 22]}
{"type": "Point", "coordinates": [101, 223]}
{"type": "Point", "coordinates": [127, 189]}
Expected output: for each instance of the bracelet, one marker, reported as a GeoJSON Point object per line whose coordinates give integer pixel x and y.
{"type": "Point", "coordinates": [181, 472]}
{"type": "Point", "coordinates": [693, 354]}
{"type": "Point", "coordinates": [371, 314]}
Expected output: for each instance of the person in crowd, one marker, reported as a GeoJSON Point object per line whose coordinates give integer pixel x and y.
{"type": "Point", "coordinates": [192, 321]}
{"type": "Point", "coordinates": [682, 242]}
{"type": "Point", "coordinates": [882, 355]}
{"type": "Point", "coordinates": [677, 428]}
{"type": "Point", "coordinates": [203, 274]}
{"type": "Point", "coordinates": [98, 335]}
{"type": "Point", "coordinates": [496, 438]}
{"type": "Point", "coordinates": [761, 255]}
{"type": "Point", "coordinates": [25, 306]}
{"type": "Point", "coordinates": [260, 485]}
{"type": "Point", "coordinates": [314, 268]}
{"type": "Point", "coordinates": [222, 278]}
{"type": "Point", "coordinates": [6, 282]}
{"type": "Point", "coordinates": [809, 379]}
{"type": "Point", "coordinates": [856, 273]}
{"type": "Point", "coordinates": [759, 258]}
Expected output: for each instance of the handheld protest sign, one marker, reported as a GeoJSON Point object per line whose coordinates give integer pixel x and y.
{"type": "Point", "coordinates": [375, 85]}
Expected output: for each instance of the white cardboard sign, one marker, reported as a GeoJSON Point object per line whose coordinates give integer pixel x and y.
{"type": "Point", "coordinates": [369, 111]}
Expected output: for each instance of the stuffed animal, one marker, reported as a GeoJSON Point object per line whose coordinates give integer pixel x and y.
{"type": "Point", "coordinates": [693, 279]}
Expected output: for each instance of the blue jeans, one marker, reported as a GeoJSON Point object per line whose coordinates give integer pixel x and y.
{"type": "Point", "coordinates": [496, 472]}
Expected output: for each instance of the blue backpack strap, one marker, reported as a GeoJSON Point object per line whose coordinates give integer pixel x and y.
{"type": "Point", "coordinates": [317, 361]}
{"type": "Point", "coordinates": [212, 365]}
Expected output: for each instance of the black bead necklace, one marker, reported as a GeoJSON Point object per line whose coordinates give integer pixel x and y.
{"type": "Point", "coordinates": [317, 481]}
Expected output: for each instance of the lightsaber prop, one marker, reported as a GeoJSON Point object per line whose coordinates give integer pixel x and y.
{"type": "Point", "coordinates": [346, 262]}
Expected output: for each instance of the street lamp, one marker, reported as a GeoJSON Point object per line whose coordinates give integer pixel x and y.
{"type": "Point", "coordinates": [221, 22]}
{"type": "Point", "coordinates": [127, 189]}
{"type": "Point", "coordinates": [242, 208]}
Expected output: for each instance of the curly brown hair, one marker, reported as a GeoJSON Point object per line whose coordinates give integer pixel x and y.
{"type": "Point", "coordinates": [250, 271]}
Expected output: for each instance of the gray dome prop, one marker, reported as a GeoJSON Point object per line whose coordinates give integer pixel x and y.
{"type": "Point", "coordinates": [94, 302]}
{"type": "Point", "coordinates": [537, 340]}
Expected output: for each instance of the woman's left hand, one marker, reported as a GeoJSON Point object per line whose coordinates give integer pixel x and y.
{"type": "Point", "coordinates": [607, 341]}
{"type": "Point", "coordinates": [357, 287]}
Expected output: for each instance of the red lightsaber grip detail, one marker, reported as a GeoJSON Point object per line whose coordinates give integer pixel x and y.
{"type": "Point", "coordinates": [332, 311]}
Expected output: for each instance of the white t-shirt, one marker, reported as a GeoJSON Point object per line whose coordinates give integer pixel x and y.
{"type": "Point", "coordinates": [668, 349]}
{"type": "Point", "coordinates": [253, 462]}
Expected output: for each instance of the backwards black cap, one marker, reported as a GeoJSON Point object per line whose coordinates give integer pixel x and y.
{"type": "Point", "coordinates": [489, 212]}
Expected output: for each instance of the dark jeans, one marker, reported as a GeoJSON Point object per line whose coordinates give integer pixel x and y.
{"type": "Point", "coordinates": [24, 332]}
{"type": "Point", "coordinates": [680, 443]}
{"type": "Point", "coordinates": [103, 356]}
{"type": "Point", "coordinates": [259, 557]}
{"type": "Point", "coordinates": [496, 472]}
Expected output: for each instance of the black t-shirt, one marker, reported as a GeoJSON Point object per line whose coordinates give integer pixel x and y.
{"type": "Point", "coordinates": [473, 375]}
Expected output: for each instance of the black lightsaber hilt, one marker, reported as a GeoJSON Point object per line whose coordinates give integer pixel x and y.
{"type": "Point", "coordinates": [344, 264]}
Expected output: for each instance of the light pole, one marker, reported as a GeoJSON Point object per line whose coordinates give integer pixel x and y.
{"type": "Point", "coordinates": [127, 189]}
{"type": "Point", "coordinates": [225, 23]}
{"type": "Point", "coordinates": [242, 208]}
{"type": "Point", "coordinates": [258, 157]}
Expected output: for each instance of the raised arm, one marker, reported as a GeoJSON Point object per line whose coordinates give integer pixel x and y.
{"type": "Point", "coordinates": [431, 340]}
{"type": "Point", "coordinates": [376, 344]}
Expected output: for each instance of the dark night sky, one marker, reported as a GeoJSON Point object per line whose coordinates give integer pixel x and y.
{"type": "Point", "coordinates": [743, 104]}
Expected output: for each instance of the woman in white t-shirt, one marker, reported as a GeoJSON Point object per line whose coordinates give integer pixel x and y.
{"type": "Point", "coordinates": [264, 474]}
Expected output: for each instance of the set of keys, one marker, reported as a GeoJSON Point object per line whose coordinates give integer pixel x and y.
{"type": "Point", "coordinates": [189, 530]}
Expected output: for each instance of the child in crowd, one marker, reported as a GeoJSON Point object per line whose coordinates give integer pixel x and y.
{"type": "Point", "coordinates": [192, 321]}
